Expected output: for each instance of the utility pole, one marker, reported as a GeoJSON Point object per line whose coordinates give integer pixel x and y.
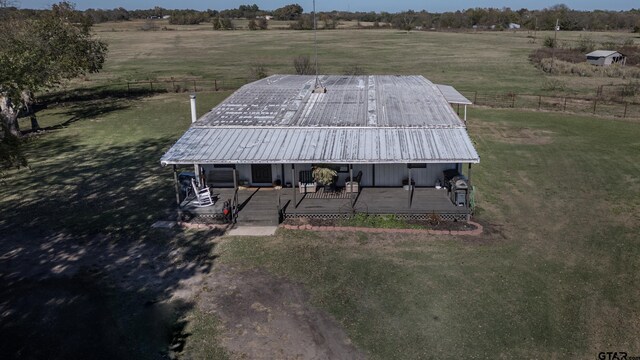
{"type": "Point", "coordinates": [555, 43]}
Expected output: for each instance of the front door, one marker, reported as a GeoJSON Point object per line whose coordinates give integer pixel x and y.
{"type": "Point", "coordinates": [261, 174]}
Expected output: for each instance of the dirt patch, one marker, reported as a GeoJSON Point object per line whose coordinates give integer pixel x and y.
{"type": "Point", "coordinates": [266, 317]}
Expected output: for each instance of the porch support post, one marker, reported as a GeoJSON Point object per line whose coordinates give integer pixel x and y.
{"type": "Point", "coordinates": [465, 114]}
{"type": "Point", "coordinates": [196, 170]}
{"type": "Point", "coordinates": [351, 184]}
{"type": "Point", "coordinates": [410, 187]}
{"type": "Point", "coordinates": [373, 171]}
{"type": "Point", "coordinates": [177, 186]}
{"type": "Point", "coordinates": [235, 178]}
{"type": "Point", "coordinates": [469, 184]}
{"type": "Point", "coordinates": [293, 185]}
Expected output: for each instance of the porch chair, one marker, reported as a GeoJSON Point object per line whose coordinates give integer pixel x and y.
{"type": "Point", "coordinates": [356, 184]}
{"type": "Point", "coordinates": [306, 182]}
{"type": "Point", "coordinates": [202, 195]}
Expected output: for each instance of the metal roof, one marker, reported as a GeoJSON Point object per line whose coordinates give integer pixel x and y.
{"type": "Point", "coordinates": [288, 100]}
{"type": "Point", "coordinates": [602, 53]}
{"type": "Point", "coordinates": [346, 145]}
{"type": "Point", "coordinates": [452, 95]}
{"type": "Point", "coordinates": [360, 119]}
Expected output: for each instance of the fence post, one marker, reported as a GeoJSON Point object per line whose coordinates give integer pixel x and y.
{"type": "Point", "coordinates": [475, 97]}
{"type": "Point", "coordinates": [625, 110]}
{"type": "Point", "coordinates": [215, 84]}
{"type": "Point", "coordinates": [173, 84]}
{"type": "Point", "coordinates": [564, 108]}
{"type": "Point", "coordinates": [513, 100]}
{"type": "Point", "coordinates": [595, 105]}
{"type": "Point", "coordinates": [195, 88]}
{"type": "Point", "coordinates": [539, 101]}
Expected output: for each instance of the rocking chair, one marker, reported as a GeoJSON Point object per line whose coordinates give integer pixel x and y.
{"type": "Point", "coordinates": [202, 195]}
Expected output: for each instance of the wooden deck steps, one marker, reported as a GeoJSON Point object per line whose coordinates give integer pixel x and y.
{"type": "Point", "coordinates": [259, 207]}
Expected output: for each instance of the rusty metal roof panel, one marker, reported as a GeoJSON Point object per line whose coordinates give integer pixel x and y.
{"type": "Point", "coordinates": [273, 145]}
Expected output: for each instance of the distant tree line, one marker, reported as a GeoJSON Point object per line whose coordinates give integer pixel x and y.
{"type": "Point", "coordinates": [482, 18]}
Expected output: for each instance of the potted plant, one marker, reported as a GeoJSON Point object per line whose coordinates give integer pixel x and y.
{"type": "Point", "coordinates": [325, 175]}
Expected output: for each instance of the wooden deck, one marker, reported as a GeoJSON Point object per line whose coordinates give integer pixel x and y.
{"type": "Point", "coordinates": [260, 205]}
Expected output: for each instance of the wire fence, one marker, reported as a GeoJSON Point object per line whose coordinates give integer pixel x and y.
{"type": "Point", "coordinates": [595, 106]}
{"type": "Point", "coordinates": [185, 85]}
{"type": "Point", "coordinates": [599, 105]}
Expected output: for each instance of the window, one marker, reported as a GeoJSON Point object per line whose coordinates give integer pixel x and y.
{"type": "Point", "coordinates": [417, 166]}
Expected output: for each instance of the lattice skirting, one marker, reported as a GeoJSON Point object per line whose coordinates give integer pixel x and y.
{"type": "Point", "coordinates": [423, 217]}
{"type": "Point", "coordinates": [207, 218]}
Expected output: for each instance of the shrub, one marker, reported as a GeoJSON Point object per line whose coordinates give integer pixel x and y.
{"type": "Point", "coordinates": [302, 65]}
{"type": "Point", "coordinates": [586, 44]}
{"type": "Point", "coordinates": [354, 70]}
{"type": "Point", "coordinates": [253, 25]}
{"type": "Point", "coordinates": [258, 71]}
{"type": "Point", "coordinates": [222, 23]}
{"type": "Point", "coordinates": [263, 24]}
{"type": "Point", "coordinates": [550, 42]}
{"type": "Point", "coordinates": [303, 23]}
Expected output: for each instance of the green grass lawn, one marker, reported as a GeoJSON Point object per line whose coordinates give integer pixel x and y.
{"type": "Point", "coordinates": [556, 273]}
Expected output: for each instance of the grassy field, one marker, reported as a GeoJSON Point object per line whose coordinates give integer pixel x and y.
{"type": "Point", "coordinates": [555, 275]}
{"type": "Point", "coordinates": [483, 61]}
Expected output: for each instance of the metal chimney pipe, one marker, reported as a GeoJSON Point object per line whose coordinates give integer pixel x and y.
{"type": "Point", "coordinates": [194, 116]}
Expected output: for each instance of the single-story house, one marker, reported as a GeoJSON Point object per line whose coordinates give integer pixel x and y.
{"type": "Point", "coordinates": [395, 143]}
{"type": "Point", "coordinates": [606, 58]}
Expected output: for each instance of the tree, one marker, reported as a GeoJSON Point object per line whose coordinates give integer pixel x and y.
{"type": "Point", "coordinates": [263, 24]}
{"type": "Point", "coordinates": [41, 53]}
{"type": "Point", "coordinates": [289, 12]}
{"type": "Point", "coordinates": [8, 3]}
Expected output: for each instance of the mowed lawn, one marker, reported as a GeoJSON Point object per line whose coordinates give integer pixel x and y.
{"type": "Point", "coordinates": [555, 274]}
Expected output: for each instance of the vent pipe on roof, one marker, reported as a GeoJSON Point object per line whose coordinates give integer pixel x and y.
{"type": "Point", "coordinates": [194, 116]}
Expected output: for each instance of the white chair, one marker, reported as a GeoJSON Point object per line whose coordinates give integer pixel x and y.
{"type": "Point", "coordinates": [202, 195]}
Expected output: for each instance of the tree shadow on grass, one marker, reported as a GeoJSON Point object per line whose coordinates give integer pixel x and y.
{"type": "Point", "coordinates": [82, 275]}
{"type": "Point", "coordinates": [81, 189]}
{"type": "Point", "coordinates": [82, 104]}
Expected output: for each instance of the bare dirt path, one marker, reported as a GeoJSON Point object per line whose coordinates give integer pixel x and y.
{"type": "Point", "coordinates": [269, 318]}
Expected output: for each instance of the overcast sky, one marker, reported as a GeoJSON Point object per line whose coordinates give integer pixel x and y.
{"type": "Point", "coordinates": [352, 5]}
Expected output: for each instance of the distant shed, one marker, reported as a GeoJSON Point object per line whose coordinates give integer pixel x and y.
{"type": "Point", "coordinates": [606, 58]}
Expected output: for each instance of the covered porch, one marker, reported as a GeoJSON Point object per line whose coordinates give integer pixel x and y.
{"type": "Point", "coordinates": [271, 205]}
